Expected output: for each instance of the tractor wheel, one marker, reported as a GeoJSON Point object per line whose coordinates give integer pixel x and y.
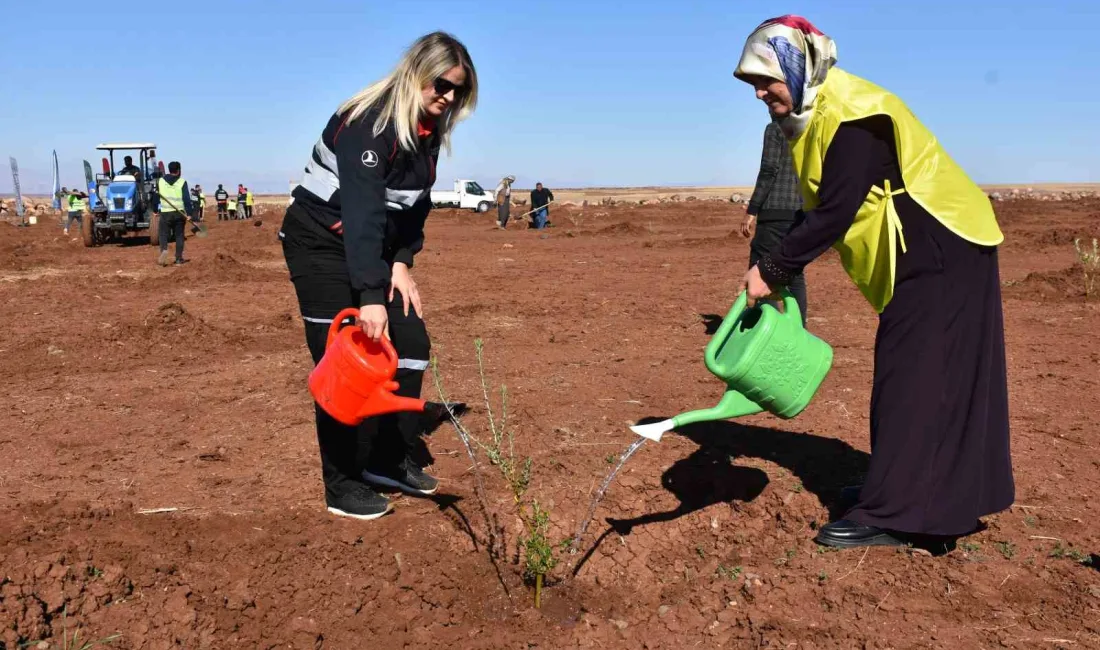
{"type": "Point", "coordinates": [154, 229]}
{"type": "Point", "coordinates": [483, 206]}
{"type": "Point", "coordinates": [87, 229]}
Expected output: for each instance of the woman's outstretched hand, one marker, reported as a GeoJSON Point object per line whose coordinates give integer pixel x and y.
{"type": "Point", "coordinates": [755, 286]}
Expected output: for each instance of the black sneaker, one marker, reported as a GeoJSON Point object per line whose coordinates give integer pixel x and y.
{"type": "Point", "coordinates": [406, 477]}
{"type": "Point", "coordinates": [360, 502]}
{"type": "Point", "coordinates": [181, 261]}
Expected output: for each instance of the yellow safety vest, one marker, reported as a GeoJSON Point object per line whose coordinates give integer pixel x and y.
{"type": "Point", "coordinates": [248, 199]}
{"type": "Point", "coordinates": [171, 195]}
{"type": "Point", "coordinates": [233, 204]}
{"type": "Point", "coordinates": [933, 180]}
{"type": "Point", "coordinates": [77, 204]}
{"type": "Point", "coordinates": [202, 200]}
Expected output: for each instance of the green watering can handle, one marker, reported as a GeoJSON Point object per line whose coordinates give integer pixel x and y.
{"type": "Point", "coordinates": [724, 330]}
{"type": "Point", "coordinates": [790, 306]}
{"type": "Point", "coordinates": [790, 310]}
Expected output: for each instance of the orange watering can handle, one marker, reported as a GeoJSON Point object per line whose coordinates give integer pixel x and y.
{"type": "Point", "coordinates": [350, 312]}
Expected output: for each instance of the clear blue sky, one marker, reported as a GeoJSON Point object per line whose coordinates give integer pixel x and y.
{"type": "Point", "coordinates": [572, 93]}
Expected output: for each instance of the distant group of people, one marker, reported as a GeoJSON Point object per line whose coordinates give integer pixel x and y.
{"type": "Point", "coordinates": [541, 198]}
{"type": "Point", "coordinates": [232, 208]}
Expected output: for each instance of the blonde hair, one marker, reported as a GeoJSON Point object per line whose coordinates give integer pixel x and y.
{"type": "Point", "coordinates": [398, 95]}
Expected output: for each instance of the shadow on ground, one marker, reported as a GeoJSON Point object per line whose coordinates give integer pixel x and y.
{"type": "Point", "coordinates": [709, 475]}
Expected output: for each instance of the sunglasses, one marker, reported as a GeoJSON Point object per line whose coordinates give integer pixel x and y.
{"type": "Point", "coordinates": [443, 86]}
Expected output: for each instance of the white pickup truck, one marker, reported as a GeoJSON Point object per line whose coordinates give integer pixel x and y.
{"type": "Point", "coordinates": [467, 195]}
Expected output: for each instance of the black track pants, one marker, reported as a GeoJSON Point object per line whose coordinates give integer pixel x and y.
{"type": "Point", "coordinates": [318, 270]}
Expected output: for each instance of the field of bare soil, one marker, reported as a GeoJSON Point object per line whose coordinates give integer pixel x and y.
{"type": "Point", "coordinates": [160, 484]}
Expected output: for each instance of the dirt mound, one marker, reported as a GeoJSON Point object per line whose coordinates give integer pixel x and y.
{"type": "Point", "coordinates": [173, 317]}
{"type": "Point", "coordinates": [220, 268]}
{"type": "Point", "coordinates": [624, 228]}
{"type": "Point", "coordinates": [1051, 286]}
{"type": "Point", "coordinates": [172, 323]}
{"type": "Point", "coordinates": [1049, 237]}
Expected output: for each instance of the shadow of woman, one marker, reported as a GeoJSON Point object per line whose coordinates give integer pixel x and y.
{"type": "Point", "coordinates": [823, 465]}
{"type": "Point", "coordinates": [708, 476]}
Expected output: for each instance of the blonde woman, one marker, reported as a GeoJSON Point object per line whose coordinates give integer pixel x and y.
{"type": "Point", "coordinates": [350, 236]}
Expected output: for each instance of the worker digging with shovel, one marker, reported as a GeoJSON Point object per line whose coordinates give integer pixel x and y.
{"type": "Point", "coordinates": [173, 201]}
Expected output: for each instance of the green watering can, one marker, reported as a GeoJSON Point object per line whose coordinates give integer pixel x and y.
{"type": "Point", "coordinates": [768, 361]}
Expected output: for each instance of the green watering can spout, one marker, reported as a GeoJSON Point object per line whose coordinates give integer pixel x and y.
{"type": "Point", "coordinates": [732, 405]}
{"type": "Point", "coordinates": [768, 361]}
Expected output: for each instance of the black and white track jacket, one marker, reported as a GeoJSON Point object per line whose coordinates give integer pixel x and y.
{"type": "Point", "coordinates": [373, 194]}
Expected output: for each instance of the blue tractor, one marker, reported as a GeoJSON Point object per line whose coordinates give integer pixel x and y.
{"type": "Point", "coordinates": [122, 197]}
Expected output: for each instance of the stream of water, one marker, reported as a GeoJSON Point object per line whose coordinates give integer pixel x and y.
{"type": "Point", "coordinates": [634, 446]}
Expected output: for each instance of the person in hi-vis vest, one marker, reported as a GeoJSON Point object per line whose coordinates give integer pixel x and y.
{"type": "Point", "coordinates": [200, 202]}
{"type": "Point", "coordinates": [222, 198]}
{"type": "Point", "coordinates": [77, 201]}
{"type": "Point", "coordinates": [173, 206]}
{"type": "Point", "coordinates": [919, 239]}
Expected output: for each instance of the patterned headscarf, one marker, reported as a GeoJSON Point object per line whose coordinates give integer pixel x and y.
{"type": "Point", "coordinates": [789, 49]}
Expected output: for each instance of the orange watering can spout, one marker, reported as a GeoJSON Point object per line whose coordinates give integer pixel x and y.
{"type": "Point", "coordinates": [354, 379]}
{"type": "Point", "coordinates": [383, 401]}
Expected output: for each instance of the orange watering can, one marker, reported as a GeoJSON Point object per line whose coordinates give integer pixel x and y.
{"type": "Point", "coordinates": [354, 380]}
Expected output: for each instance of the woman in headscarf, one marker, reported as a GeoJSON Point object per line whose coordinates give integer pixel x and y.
{"type": "Point", "coordinates": [503, 197]}
{"type": "Point", "coordinates": [919, 239]}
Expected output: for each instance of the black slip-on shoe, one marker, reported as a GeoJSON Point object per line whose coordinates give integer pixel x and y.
{"type": "Point", "coordinates": [850, 534]}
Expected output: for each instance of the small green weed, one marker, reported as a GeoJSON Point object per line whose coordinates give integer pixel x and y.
{"type": "Point", "coordinates": [1060, 552]}
{"type": "Point", "coordinates": [730, 573]}
{"type": "Point", "coordinates": [1007, 549]}
{"type": "Point", "coordinates": [73, 642]}
{"type": "Point", "coordinates": [1090, 263]}
{"type": "Point", "coordinates": [970, 547]}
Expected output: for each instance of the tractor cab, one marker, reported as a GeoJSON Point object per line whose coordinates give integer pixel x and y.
{"type": "Point", "coordinates": [124, 193]}
{"type": "Point", "coordinates": [128, 189]}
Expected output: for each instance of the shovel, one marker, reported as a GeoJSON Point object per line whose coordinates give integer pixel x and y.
{"type": "Point", "coordinates": [200, 228]}
{"type": "Point", "coordinates": [534, 211]}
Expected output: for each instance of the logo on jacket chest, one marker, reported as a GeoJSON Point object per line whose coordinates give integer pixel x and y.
{"type": "Point", "coordinates": [369, 158]}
